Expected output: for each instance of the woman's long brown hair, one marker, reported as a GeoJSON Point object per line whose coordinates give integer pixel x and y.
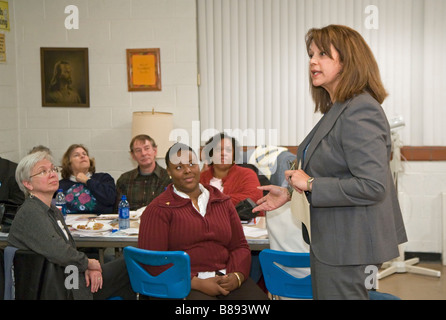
{"type": "Point", "coordinates": [360, 72]}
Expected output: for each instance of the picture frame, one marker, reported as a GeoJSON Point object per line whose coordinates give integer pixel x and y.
{"type": "Point", "coordinates": [143, 69]}
{"type": "Point", "coordinates": [65, 77]}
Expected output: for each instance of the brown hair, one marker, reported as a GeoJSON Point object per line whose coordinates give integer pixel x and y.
{"type": "Point", "coordinates": [142, 138]}
{"type": "Point", "coordinates": [66, 164]}
{"type": "Point", "coordinates": [359, 73]}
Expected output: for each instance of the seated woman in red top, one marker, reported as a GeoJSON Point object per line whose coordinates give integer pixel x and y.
{"type": "Point", "coordinates": [240, 183]}
{"type": "Point", "coordinates": [204, 223]}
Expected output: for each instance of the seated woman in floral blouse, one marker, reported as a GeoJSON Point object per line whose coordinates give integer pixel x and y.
{"type": "Point", "coordinates": [85, 190]}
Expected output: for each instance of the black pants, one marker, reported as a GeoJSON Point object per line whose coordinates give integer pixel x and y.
{"type": "Point", "coordinates": [116, 282]}
{"type": "Point", "coordinates": [248, 291]}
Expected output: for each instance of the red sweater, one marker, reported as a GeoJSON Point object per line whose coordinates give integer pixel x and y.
{"type": "Point", "coordinates": [240, 183]}
{"type": "Point", "coordinates": [213, 242]}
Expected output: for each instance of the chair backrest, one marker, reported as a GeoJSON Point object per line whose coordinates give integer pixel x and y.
{"type": "Point", "coordinates": [38, 279]}
{"type": "Point", "coordinates": [173, 283]}
{"type": "Point", "coordinates": [281, 283]}
{"type": "Point", "coordinates": [34, 277]}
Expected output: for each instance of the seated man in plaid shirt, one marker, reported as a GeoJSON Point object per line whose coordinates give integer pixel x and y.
{"type": "Point", "coordinates": [144, 183]}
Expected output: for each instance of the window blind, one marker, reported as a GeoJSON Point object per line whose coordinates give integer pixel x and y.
{"type": "Point", "coordinates": [254, 68]}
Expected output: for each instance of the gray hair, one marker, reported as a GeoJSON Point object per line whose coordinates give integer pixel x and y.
{"type": "Point", "coordinates": [26, 165]}
{"type": "Point", "coordinates": [40, 148]}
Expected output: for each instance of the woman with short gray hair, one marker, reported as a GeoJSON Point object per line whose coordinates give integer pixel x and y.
{"type": "Point", "coordinates": [40, 227]}
{"type": "Point", "coordinates": [24, 168]}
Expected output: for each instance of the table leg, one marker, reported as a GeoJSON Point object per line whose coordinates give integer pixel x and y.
{"type": "Point", "coordinates": [101, 255]}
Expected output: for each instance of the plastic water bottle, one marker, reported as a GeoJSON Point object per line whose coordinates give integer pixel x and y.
{"type": "Point", "coordinates": [61, 203]}
{"type": "Point", "coordinates": [124, 213]}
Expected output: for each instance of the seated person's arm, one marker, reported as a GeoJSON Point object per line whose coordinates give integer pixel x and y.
{"type": "Point", "coordinates": [103, 188]}
{"type": "Point", "coordinates": [239, 252]}
{"type": "Point", "coordinates": [40, 236]}
{"type": "Point", "coordinates": [248, 188]}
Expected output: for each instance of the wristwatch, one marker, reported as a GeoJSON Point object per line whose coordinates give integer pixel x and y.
{"type": "Point", "coordinates": [309, 181]}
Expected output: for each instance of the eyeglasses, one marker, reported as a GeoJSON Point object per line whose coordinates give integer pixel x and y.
{"type": "Point", "coordinates": [45, 173]}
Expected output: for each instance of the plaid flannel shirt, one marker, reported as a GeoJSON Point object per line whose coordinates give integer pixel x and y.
{"type": "Point", "coordinates": [141, 189]}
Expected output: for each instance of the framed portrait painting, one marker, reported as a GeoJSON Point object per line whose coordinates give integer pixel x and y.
{"type": "Point", "coordinates": [143, 69]}
{"type": "Point", "coordinates": [64, 76]}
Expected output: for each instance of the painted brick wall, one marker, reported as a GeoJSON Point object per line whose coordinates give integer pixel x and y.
{"type": "Point", "coordinates": [107, 28]}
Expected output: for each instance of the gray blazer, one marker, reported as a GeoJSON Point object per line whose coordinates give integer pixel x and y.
{"type": "Point", "coordinates": [355, 214]}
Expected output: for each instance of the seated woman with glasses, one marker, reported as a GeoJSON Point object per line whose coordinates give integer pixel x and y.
{"type": "Point", "coordinates": [40, 227]}
{"type": "Point", "coordinates": [203, 222]}
{"type": "Point", "coordinates": [86, 191]}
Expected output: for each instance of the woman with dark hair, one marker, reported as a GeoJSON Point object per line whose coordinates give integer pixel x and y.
{"type": "Point", "coordinates": [203, 222]}
{"type": "Point", "coordinates": [356, 220]}
{"type": "Point", "coordinates": [85, 190]}
{"type": "Point", "coordinates": [221, 154]}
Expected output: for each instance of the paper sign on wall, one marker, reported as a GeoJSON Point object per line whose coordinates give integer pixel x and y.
{"type": "Point", "coordinates": [2, 48]}
{"type": "Point", "coordinates": [4, 15]}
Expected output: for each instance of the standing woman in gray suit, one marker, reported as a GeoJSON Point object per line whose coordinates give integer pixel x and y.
{"type": "Point", "coordinates": [356, 220]}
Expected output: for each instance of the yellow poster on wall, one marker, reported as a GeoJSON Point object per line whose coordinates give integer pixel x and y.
{"type": "Point", "coordinates": [2, 48]}
{"type": "Point", "coordinates": [4, 15]}
{"type": "Point", "coordinates": [144, 70]}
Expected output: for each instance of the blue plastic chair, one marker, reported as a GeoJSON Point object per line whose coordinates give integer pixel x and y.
{"type": "Point", "coordinates": [281, 283]}
{"type": "Point", "coordinates": [173, 283]}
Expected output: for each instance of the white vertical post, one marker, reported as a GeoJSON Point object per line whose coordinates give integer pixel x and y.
{"type": "Point", "coordinates": [443, 205]}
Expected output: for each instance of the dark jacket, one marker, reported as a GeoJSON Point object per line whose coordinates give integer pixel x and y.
{"type": "Point", "coordinates": [9, 189]}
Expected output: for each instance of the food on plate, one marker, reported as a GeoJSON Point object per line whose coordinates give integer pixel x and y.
{"type": "Point", "coordinates": [96, 226]}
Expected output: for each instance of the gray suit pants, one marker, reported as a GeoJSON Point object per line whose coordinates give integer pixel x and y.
{"type": "Point", "coordinates": [339, 282]}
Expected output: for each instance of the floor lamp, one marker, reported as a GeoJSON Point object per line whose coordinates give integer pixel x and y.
{"type": "Point", "coordinates": [399, 265]}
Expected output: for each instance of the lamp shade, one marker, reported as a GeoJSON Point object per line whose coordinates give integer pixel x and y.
{"type": "Point", "coordinates": [157, 125]}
